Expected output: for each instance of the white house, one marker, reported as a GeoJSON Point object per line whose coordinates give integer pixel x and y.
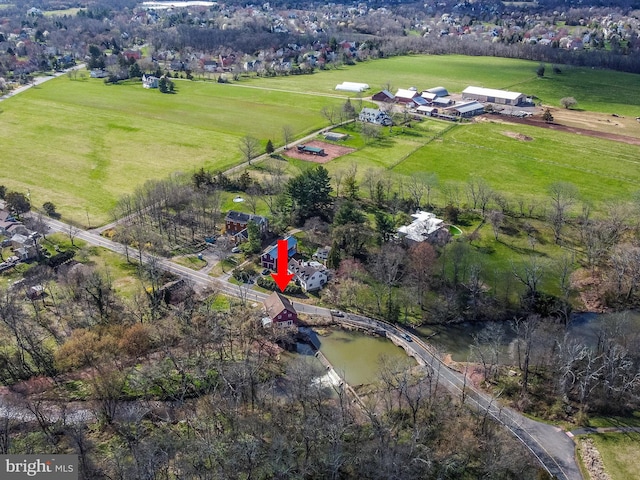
{"type": "Point", "coordinates": [373, 115]}
{"type": "Point", "coordinates": [149, 81]}
{"type": "Point", "coordinates": [310, 278]}
{"type": "Point", "coordinates": [425, 227]}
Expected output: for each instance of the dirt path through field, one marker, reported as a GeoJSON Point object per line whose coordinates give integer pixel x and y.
{"type": "Point", "coordinates": [564, 128]}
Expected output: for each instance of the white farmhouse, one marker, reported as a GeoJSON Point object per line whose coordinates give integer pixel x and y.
{"type": "Point", "coordinates": [310, 278]}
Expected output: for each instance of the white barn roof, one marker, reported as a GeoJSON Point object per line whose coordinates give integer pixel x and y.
{"type": "Point", "coordinates": [404, 93]}
{"type": "Point", "coordinates": [491, 92]}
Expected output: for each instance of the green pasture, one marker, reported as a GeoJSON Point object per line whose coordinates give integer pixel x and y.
{"type": "Point", "coordinates": [596, 90]}
{"type": "Point", "coordinates": [619, 453]}
{"type": "Point", "coordinates": [83, 144]}
{"type": "Point", "coordinates": [601, 169]}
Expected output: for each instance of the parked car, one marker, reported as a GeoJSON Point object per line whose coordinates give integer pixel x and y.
{"type": "Point", "coordinates": [337, 313]}
{"type": "Point", "coordinates": [235, 250]}
{"type": "Point", "coordinates": [266, 271]}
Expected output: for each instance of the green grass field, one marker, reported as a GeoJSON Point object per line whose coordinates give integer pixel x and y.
{"type": "Point", "coordinates": [595, 90]}
{"type": "Point", "coordinates": [83, 144]}
{"type": "Point", "coordinates": [619, 453]}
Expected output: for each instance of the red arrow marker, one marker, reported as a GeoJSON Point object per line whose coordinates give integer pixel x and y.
{"type": "Point", "coordinates": [282, 277]}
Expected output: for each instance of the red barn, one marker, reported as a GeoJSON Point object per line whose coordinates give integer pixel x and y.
{"type": "Point", "coordinates": [280, 310]}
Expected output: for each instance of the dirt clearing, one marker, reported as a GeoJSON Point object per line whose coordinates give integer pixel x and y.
{"type": "Point", "coordinates": [331, 151]}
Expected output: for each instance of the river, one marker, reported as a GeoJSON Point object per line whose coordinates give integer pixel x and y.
{"type": "Point", "coordinates": [355, 355]}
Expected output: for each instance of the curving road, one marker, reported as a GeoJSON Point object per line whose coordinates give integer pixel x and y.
{"type": "Point", "coordinates": [553, 448]}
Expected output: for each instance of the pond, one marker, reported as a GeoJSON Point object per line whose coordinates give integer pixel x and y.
{"type": "Point", "coordinates": [355, 355]}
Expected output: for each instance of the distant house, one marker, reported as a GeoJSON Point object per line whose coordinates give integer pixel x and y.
{"type": "Point", "coordinates": [375, 116]}
{"type": "Point", "coordinates": [269, 257]}
{"type": "Point", "coordinates": [24, 247]}
{"type": "Point", "coordinates": [149, 81]}
{"type": "Point", "coordinates": [322, 254]}
{"type": "Point", "coordinates": [132, 54]}
{"type": "Point", "coordinates": [280, 311]}
{"type": "Point", "coordinates": [236, 222]}
{"type": "Point", "coordinates": [310, 278]}
{"type": "Point", "coordinates": [97, 73]}
{"type": "Point", "coordinates": [384, 96]}
{"type": "Point", "coordinates": [210, 66]}
{"type": "Point", "coordinates": [425, 227]}
{"type": "Point", "coordinates": [490, 95]}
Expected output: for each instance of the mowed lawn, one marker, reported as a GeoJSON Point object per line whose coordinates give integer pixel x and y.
{"type": "Point", "coordinates": [619, 453]}
{"type": "Point", "coordinates": [595, 90]}
{"type": "Point", "coordinates": [601, 169]}
{"type": "Point", "coordinates": [83, 144]}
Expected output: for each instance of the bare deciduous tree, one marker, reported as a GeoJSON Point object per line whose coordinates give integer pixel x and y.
{"type": "Point", "coordinates": [249, 147]}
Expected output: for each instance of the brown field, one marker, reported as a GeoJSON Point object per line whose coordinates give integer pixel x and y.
{"type": "Point", "coordinates": [332, 151]}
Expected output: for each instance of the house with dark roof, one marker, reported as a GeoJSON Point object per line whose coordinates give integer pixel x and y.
{"type": "Point", "coordinates": [375, 116]}
{"type": "Point", "coordinates": [235, 224]}
{"type": "Point", "coordinates": [269, 257]}
{"type": "Point", "coordinates": [280, 310]}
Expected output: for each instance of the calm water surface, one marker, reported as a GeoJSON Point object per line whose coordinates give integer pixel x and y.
{"type": "Point", "coordinates": [355, 355]}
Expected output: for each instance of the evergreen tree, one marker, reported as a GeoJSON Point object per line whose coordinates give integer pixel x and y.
{"type": "Point", "coordinates": [269, 148]}
{"type": "Point", "coordinates": [310, 194]}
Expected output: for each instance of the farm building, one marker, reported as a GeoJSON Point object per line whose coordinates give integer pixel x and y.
{"type": "Point", "coordinates": [352, 87]}
{"type": "Point", "coordinates": [335, 136]}
{"type": "Point", "coordinates": [384, 96]}
{"type": "Point", "coordinates": [311, 150]}
{"type": "Point", "coordinates": [375, 116]}
{"type": "Point", "coordinates": [406, 96]}
{"type": "Point", "coordinates": [428, 111]}
{"type": "Point", "coordinates": [490, 95]}
{"type": "Point", "coordinates": [467, 109]}
{"type": "Point", "coordinates": [437, 91]}
{"type": "Point", "coordinates": [441, 102]}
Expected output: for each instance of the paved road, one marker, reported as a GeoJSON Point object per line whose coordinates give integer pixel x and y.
{"type": "Point", "coordinates": [552, 447]}
{"type": "Point", "coordinates": [37, 81]}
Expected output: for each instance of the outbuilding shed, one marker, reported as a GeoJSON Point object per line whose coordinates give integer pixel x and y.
{"type": "Point", "coordinates": [468, 109]}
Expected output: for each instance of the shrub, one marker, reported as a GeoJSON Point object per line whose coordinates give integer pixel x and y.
{"type": "Point", "coordinates": [270, 284]}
